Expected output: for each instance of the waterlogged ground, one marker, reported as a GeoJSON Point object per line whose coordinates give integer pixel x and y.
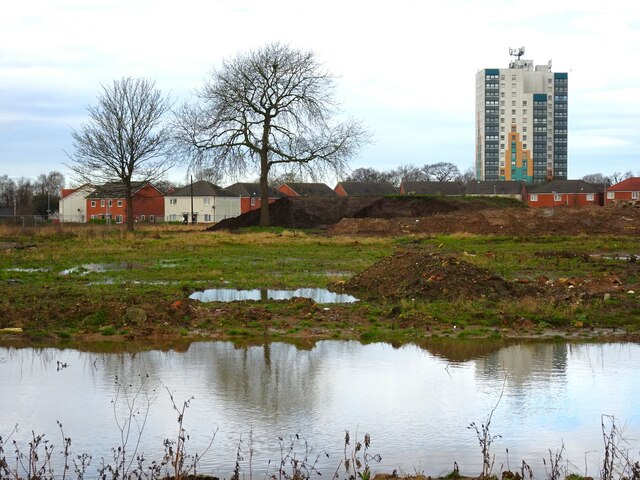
{"type": "Point", "coordinates": [78, 284]}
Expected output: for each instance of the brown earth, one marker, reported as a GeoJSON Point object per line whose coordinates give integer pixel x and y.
{"type": "Point", "coordinates": [416, 273]}
{"type": "Point", "coordinates": [505, 221]}
{"type": "Point", "coordinates": [402, 215]}
{"type": "Point", "coordinates": [419, 274]}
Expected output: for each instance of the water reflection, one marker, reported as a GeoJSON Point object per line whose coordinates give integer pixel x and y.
{"type": "Point", "coordinates": [318, 295]}
{"type": "Point", "coordinates": [416, 404]}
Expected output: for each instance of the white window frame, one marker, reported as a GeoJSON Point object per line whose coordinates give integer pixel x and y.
{"type": "Point", "coordinates": [590, 197]}
{"type": "Point", "coordinates": [118, 218]}
{"type": "Point", "coordinates": [635, 195]}
{"type": "Point", "coordinates": [119, 203]}
{"type": "Point", "coordinates": [611, 195]}
{"type": "Point", "coordinates": [93, 203]}
{"type": "Point", "coordinates": [173, 201]}
{"type": "Point", "coordinates": [533, 197]}
{"type": "Point", "coordinates": [102, 203]}
{"type": "Point", "coordinates": [110, 203]}
{"type": "Point", "coordinates": [557, 197]}
{"type": "Point", "coordinates": [152, 218]}
{"type": "Point", "coordinates": [206, 200]}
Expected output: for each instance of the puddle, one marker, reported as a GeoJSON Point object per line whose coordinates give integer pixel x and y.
{"type": "Point", "coordinates": [318, 295]}
{"type": "Point", "coordinates": [28, 270]}
{"type": "Point", "coordinates": [87, 268]}
{"type": "Point", "coordinates": [621, 258]}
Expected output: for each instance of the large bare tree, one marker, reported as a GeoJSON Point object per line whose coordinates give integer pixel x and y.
{"type": "Point", "coordinates": [126, 139]}
{"type": "Point", "coordinates": [268, 108]}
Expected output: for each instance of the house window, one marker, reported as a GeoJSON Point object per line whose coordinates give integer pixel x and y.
{"type": "Point", "coordinates": [634, 195]}
{"type": "Point", "coordinates": [110, 203]}
{"type": "Point", "coordinates": [93, 217]}
{"type": "Point", "coordinates": [589, 197]}
{"type": "Point", "coordinates": [118, 218]}
{"type": "Point", "coordinates": [152, 218]}
{"type": "Point", "coordinates": [142, 218]}
{"type": "Point", "coordinates": [611, 195]}
{"type": "Point", "coordinates": [207, 217]}
{"type": "Point", "coordinates": [557, 197]}
{"type": "Point", "coordinates": [253, 201]}
{"type": "Point", "coordinates": [119, 203]}
{"type": "Point", "coordinates": [93, 203]}
{"type": "Point", "coordinates": [173, 201]}
{"type": "Point", "coordinates": [207, 200]}
{"type": "Point", "coordinates": [102, 203]}
{"type": "Point", "coordinates": [533, 197]}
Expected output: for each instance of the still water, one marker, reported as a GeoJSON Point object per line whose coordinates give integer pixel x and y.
{"type": "Point", "coordinates": [416, 402]}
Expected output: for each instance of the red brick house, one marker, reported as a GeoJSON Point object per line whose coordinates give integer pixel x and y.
{"type": "Point", "coordinates": [571, 193]}
{"type": "Point", "coordinates": [108, 202]}
{"type": "Point", "coordinates": [626, 191]}
{"type": "Point", "coordinates": [250, 195]}
{"type": "Point", "coordinates": [364, 189]}
{"type": "Point", "coordinates": [306, 190]}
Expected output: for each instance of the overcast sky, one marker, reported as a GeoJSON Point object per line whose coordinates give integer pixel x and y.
{"type": "Point", "coordinates": [406, 68]}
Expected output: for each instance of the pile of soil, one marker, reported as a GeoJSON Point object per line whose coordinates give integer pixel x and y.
{"type": "Point", "coordinates": [420, 274]}
{"type": "Point", "coordinates": [401, 215]}
{"type": "Point", "coordinates": [318, 212]}
{"type": "Point", "coordinates": [506, 221]}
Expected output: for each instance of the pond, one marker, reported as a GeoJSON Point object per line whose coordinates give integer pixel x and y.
{"type": "Point", "coordinates": [416, 403]}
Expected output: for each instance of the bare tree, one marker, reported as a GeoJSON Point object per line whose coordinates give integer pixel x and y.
{"type": "Point", "coordinates": [596, 178]}
{"type": "Point", "coordinates": [468, 176]}
{"type": "Point", "coordinates": [126, 139]}
{"type": "Point", "coordinates": [369, 175]}
{"type": "Point", "coordinates": [408, 173]}
{"type": "Point", "coordinates": [269, 108]}
{"type": "Point", "coordinates": [444, 171]}
{"type": "Point", "coordinates": [7, 191]}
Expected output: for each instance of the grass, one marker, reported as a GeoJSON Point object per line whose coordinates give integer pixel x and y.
{"type": "Point", "coordinates": [156, 268]}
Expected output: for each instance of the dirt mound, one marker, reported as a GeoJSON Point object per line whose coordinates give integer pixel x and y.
{"type": "Point", "coordinates": [314, 212]}
{"type": "Point", "coordinates": [420, 274]}
{"type": "Point", "coordinates": [506, 221]}
{"type": "Point", "coordinates": [301, 212]}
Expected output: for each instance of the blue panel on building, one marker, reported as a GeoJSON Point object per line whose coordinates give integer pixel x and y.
{"type": "Point", "coordinates": [539, 97]}
{"type": "Point", "coordinates": [491, 71]}
{"type": "Point", "coordinates": [561, 75]}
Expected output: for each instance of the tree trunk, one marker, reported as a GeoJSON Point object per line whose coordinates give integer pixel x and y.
{"type": "Point", "coordinates": [129, 202]}
{"type": "Point", "coordinates": [265, 219]}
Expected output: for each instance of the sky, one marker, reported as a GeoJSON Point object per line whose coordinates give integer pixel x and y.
{"type": "Point", "coordinates": [405, 68]}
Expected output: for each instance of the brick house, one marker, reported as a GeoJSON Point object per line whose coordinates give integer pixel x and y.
{"type": "Point", "coordinates": [306, 190]}
{"type": "Point", "coordinates": [571, 193]}
{"type": "Point", "coordinates": [432, 188]}
{"type": "Point", "coordinates": [364, 189]}
{"type": "Point", "coordinates": [250, 195]}
{"type": "Point", "coordinates": [626, 191]}
{"type": "Point", "coordinates": [107, 202]}
{"type": "Point", "coordinates": [73, 203]}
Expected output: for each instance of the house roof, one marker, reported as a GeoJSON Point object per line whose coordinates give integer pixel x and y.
{"type": "Point", "coordinates": [485, 187]}
{"type": "Point", "coordinates": [367, 188]}
{"type": "Point", "coordinates": [629, 185]}
{"type": "Point", "coordinates": [87, 188]}
{"type": "Point", "coordinates": [252, 190]}
{"type": "Point", "coordinates": [115, 190]}
{"type": "Point", "coordinates": [202, 188]}
{"type": "Point", "coordinates": [433, 188]}
{"type": "Point", "coordinates": [565, 186]}
{"type": "Point", "coordinates": [311, 189]}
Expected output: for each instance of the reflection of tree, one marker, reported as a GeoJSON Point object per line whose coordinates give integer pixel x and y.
{"type": "Point", "coordinates": [274, 377]}
{"type": "Point", "coordinates": [523, 361]}
{"type": "Point", "coordinates": [457, 351]}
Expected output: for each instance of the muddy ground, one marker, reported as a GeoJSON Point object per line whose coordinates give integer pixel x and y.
{"type": "Point", "coordinates": [433, 215]}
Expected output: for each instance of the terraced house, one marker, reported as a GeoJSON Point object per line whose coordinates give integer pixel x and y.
{"type": "Point", "coordinates": [108, 202]}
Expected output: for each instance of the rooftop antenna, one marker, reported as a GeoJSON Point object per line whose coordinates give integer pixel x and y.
{"type": "Point", "coordinates": [515, 52]}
